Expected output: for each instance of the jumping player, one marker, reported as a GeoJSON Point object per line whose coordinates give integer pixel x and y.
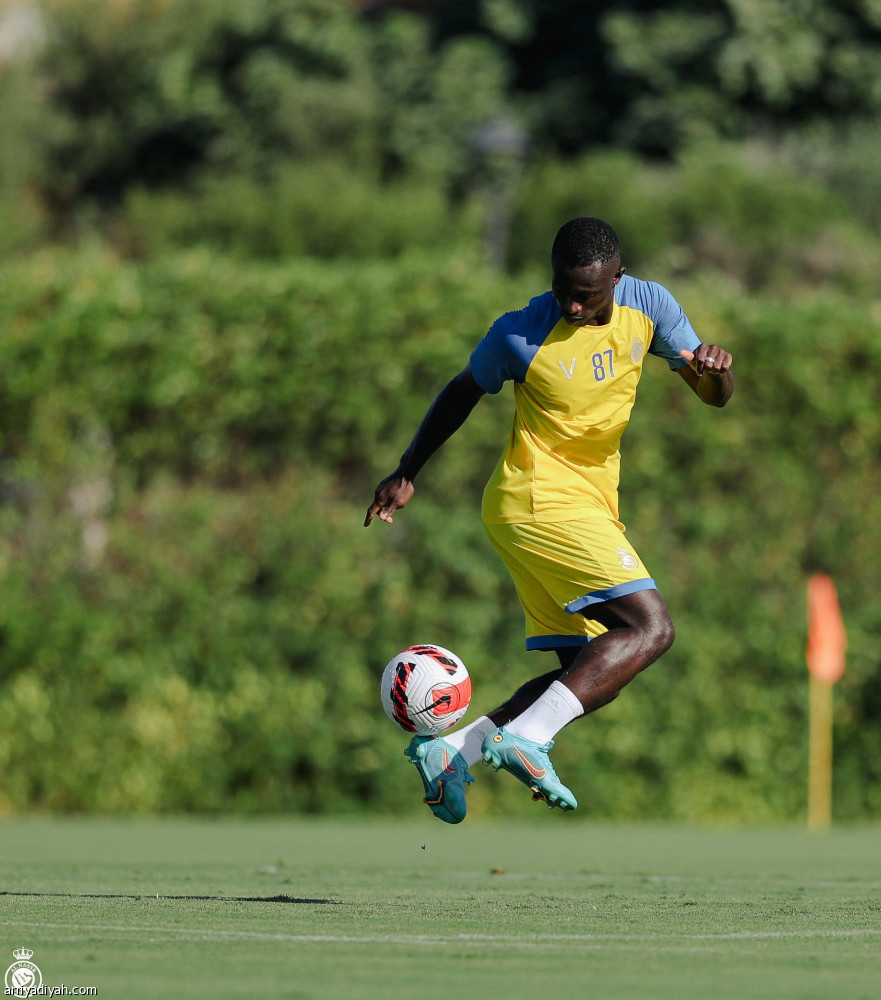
{"type": "Point", "coordinates": [575, 356]}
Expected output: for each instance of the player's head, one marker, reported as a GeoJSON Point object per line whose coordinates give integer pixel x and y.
{"type": "Point", "coordinates": [586, 241]}
{"type": "Point", "coordinates": [586, 264]}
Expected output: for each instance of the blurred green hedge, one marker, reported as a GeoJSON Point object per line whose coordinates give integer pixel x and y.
{"type": "Point", "coordinates": [192, 617]}
{"type": "Point", "coordinates": [275, 227]}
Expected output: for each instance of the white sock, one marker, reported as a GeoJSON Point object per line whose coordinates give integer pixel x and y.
{"type": "Point", "coordinates": [547, 715]}
{"type": "Point", "coordinates": [469, 740]}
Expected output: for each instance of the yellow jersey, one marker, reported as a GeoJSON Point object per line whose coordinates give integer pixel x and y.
{"type": "Point", "coordinates": [574, 388]}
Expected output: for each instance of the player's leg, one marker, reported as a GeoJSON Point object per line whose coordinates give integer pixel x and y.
{"type": "Point", "coordinates": [524, 696]}
{"type": "Point", "coordinates": [443, 761]}
{"type": "Point", "coordinates": [638, 631]}
{"type": "Point", "coordinates": [527, 693]}
{"type": "Point", "coordinates": [548, 627]}
{"type": "Point", "coordinates": [627, 628]}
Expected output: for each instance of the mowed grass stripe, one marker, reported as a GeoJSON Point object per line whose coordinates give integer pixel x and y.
{"type": "Point", "coordinates": [515, 940]}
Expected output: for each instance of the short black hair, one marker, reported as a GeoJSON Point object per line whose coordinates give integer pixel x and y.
{"type": "Point", "coordinates": [585, 241]}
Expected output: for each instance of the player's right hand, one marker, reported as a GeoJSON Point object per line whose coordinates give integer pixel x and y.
{"type": "Point", "coordinates": [391, 494]}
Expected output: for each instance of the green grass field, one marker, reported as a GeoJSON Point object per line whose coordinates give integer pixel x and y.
{"type": "Point", "coordinates": [360, 909]}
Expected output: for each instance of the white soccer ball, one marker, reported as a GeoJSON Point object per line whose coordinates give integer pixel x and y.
{"type": "Point", "coordinates": [425, 689]}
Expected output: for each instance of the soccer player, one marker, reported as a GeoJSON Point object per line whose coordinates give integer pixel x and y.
{"type": "Point", "coordinates": [575, 356]}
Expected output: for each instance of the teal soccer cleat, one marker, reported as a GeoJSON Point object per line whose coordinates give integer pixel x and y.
{"type": "Point", "coordinates": [528, 762]}
{"type": "Point", "coordinates": [444, 773]}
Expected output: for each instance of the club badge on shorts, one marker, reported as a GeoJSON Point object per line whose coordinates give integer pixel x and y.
{"type": "Point", "coordinates": [626, 560]}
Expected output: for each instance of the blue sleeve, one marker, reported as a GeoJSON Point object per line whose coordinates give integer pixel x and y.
{"type": "Point", "coordinates": [491, 359]}
{"type": "Point", "coordinates": [509, 346]}
{"type": "Point", "coordinates": [672, 330]}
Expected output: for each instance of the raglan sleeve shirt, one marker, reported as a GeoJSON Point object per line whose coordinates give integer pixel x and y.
{"type": "Point", "coordinates": [574, 388]}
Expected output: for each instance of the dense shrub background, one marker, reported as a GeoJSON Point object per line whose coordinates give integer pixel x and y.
{"type": "Point", "coordinates": [193, 617]}
{"type": "Point", "coordinates": [242, 245]}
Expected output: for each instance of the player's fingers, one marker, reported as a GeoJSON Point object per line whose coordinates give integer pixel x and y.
{"type": "Point", "coordinates": [389, 505]}
{"type": "Point", "coordinates": [708, 358]}
{"type": "Point", "coordinates": [694, 359]}
{"type": "Point", "coordinates": [382, 507]}
{"type": "Point", "coordinates": [705, 359]}
{"type": "Point", "coordinates": [374, 509]}
{"type": "Point", "coordinates": [391, 495]}
{"type": "Point", "coordinates": [716, 361]}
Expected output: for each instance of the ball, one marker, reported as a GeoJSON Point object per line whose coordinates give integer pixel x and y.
{"type": "Point", "coordinates": [425, 689]}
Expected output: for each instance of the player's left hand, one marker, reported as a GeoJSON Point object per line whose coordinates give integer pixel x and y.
{"type": "Point", "coordinates": [708, 359]}
{"type": "Point", "coordinates": [391, 495]}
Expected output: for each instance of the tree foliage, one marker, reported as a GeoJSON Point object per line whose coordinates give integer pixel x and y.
{"type": "Point", "coordinates": [652, 76]}
{"type": "Point", "coordinates": [168, 94]}
{"type": "Point", "coordinates": [148, 93]}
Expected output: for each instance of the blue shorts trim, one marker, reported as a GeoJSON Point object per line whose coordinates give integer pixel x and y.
{"type": "Point", "coordinates": [600, 596]}
{"type": "Point", "coordinates": [549, 642]}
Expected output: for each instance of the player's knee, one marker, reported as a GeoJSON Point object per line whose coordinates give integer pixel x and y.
{"type": "Point", "coordinates": [661, 633]}
{"type": "Point", "coordinates": [655, 624]}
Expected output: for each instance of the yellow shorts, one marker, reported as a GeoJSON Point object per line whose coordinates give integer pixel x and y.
{"type": "Point", "coordinates": [562, 568]}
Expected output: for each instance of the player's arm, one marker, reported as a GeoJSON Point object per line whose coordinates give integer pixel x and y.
{"type": "Point", "coordinates": [445, 416]}
{"type": "Point", "coordinates": [708, 374]}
